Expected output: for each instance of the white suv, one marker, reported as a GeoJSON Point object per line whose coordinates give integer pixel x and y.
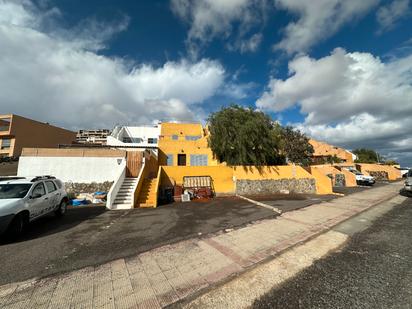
{"type": "Point", "coordinates": [408, 181]}
{"type": "Point", "coordinates": [23, 200]}
{"type": "Point", "coordinates": [362, 179]}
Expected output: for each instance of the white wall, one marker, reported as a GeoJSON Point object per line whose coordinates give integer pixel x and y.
{"type": "Point", "coordinates": [73, 169]}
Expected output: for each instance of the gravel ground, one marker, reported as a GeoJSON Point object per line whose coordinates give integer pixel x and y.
{"type": "Point", "coordinates": [373, 271]}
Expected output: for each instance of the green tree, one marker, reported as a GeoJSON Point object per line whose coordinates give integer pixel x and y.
{"type": "Point", "coordinates": [295, 146]}
{"type": "Point", "coordinates": [391, 162]}
{"type": "Point", "coordinates": [366, 155]}
{"type": "Point", "coordinates": [241, 136]}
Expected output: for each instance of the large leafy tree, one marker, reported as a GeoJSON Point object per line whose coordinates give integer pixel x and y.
{"type": "Point", "coordinates": [241, 136]}
{"type": "Point", "coordinates": [366, 155]}
{"type": "Point", "coordinates": [295, 146]}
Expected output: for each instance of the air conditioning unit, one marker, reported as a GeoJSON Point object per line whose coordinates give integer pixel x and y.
{"type": "Point", "coordinates": [185, 198]}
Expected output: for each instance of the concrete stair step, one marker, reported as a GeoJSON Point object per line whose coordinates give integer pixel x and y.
{"type": "Point", "coordinates": [123, 199]}
{"type": "Point", "coordinates": [120, 205]}
{"type": "Point", "coordinates": [146, 205]}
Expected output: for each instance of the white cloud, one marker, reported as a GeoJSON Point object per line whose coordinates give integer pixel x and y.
{"type": "Point", "coordinates": [350, 99]}
{"type": "Point", "coordinates": [317, 20]}
{"type": "Point", "coordinates": [387, 16]}
{"type": "Point", "coordinates": [209, 19]}
{"type": "Point", "coordinates": [58, 76]}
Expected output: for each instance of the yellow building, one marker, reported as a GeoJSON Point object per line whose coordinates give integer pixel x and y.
{"type": "Point", "coordinates": [185, 144]}
{"type": "Point", "coordinates": [322, 151]}
{"type": "Point", "coordinates": [17, 132]}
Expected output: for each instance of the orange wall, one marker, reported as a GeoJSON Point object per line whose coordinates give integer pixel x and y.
{"type": "Point", "coordinates": [393, 173]}
{"type": "Point", "coordinates": [270, 172]}
{"type": "Point", "coordinates": [323, 182]}
{"type": "Point", "coordinates": [31, 133]}
{"type": "Point", "coordinates": [168, 146]}
{"type": "Point", "coordinates": [350, 178]}
{"type": "Point", "coordinates": [224, 177]}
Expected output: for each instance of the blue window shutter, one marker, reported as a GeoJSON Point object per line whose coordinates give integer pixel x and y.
{"type": "Point", "coordinates": [169, 160]}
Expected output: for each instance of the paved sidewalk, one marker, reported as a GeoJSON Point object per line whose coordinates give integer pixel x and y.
{"type": "Point", "coordinates": [170, 273]}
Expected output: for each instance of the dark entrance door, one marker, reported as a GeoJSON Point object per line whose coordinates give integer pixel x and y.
{"type": "Point", "coordinates": [181, 159]}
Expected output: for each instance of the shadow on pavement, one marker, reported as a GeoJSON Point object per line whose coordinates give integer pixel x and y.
{"type": "Point", "coordinates": [403, 192]}
{"type": "Point", "coordinates": [51, 224]}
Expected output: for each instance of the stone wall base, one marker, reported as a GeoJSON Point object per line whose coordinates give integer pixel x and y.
{"type": "Point", "coordinates": [268, 186]}
{"type": "Point", "coordinates": [379, 175]}
{"type": "Point", "coordinates": [75, 188]}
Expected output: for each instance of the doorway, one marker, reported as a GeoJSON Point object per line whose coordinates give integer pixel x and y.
{"type": "Point", "coordinates": [181, 160]}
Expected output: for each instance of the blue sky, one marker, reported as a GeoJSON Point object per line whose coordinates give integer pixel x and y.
{"type": "Point", "coordinates": [341, 71]}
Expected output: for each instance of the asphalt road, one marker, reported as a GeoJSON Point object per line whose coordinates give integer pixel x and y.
{"type": "Point", "coordinates": [92, 236]}
{"type": "Point", "coordinates": [373, 271]}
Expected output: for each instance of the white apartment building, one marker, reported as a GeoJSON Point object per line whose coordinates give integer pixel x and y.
{"type": "Point", "coordinates": [142, 136]}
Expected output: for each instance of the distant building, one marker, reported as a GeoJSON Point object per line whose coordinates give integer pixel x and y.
{"type": "Point", "coordinates": [97, 137]}
{"type": "Point", "coordinates": [324, 151]}
{"type": "Point", "coordinates": [17, 132]}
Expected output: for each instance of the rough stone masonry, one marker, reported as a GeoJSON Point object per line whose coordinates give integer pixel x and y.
{"type": "Point", "coordinates": [268, 186]}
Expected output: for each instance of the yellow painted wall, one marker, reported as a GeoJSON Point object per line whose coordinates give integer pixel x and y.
{"type": "Point", "coordinates": [393, 173]}
{"type": "Point", "coordinates": [323, 182]}
{"type": "Point", "coordinates": [350, 179]}
{"type": "Point", "coordinates": [222, 176]}
{"type": "Point", "coordinates": [270, 172]}
{"type": "Point", "coordinates": [168, 146]}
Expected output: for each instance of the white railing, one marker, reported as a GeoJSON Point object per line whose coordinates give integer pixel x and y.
{"type": "Point", "coordinates": [111, 196]}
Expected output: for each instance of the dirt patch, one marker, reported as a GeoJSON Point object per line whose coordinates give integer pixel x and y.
{"type": "Point", "coordinates": [8, 168]}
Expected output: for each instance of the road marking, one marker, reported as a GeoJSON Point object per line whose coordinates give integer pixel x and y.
{"type": "Point", "coordinates": [277, 210]}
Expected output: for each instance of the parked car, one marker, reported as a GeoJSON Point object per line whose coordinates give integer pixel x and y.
{"type": "Point", "coordinates": [23, 200]}
{"type": "Point", "coordinates": [408, 181]}
{"type": "Point", "coordinates": [404, 171]}
{"type": "Point", "coordinates": [361, 179]}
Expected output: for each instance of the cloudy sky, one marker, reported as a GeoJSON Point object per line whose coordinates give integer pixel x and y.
{"type": "Point", "coordinates": [339, 70]}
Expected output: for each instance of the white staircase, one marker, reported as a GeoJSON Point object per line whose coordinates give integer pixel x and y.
{"type": "Point", "coordinates": [124, 198]}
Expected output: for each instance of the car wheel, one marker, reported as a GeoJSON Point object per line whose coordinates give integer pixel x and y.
{"type": "Point", "coordinates": [17, 225]}
{"type": "Point", "coordinates": [62, 209]}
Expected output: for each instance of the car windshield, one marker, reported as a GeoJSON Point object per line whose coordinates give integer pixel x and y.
{"type": "Point", "coordinates": [8, 191]}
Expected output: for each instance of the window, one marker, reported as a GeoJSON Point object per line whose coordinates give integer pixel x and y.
{"type": "Point", "coordinates": [198, 160]}
{"type": "Point", "coordinates": [5, 124]}
{"type": "Point", "coordinates": [175, 137]}
{"type": "Point", "coordinates": [152, 140]}
{"type": "Point", "coordinates": [39, 189]}
{"type": "Point", "coordinates": [169, 160]}
{"type": "Point", "coordinates": [192, 137]}
{"type": "Point", "coordinates": [5, 143]}
{"type": "Point", "coordinates": [8, 191]}
{"type": "Point", "coordinates": [127, 140]}
{"type": "Point", "coordinates": [50, 186]}
{"type": "Point", "coordinates": [181, 160]}
{"type": "Point", "coordinates": [58, 183]}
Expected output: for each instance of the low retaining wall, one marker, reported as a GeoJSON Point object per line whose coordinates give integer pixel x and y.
{"type": "Point", "coordinates": [268, 186]}
{"type": "Point", "coordinates": [392, 173]}
{"type": "Point", "coordinates": [75, 169]}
